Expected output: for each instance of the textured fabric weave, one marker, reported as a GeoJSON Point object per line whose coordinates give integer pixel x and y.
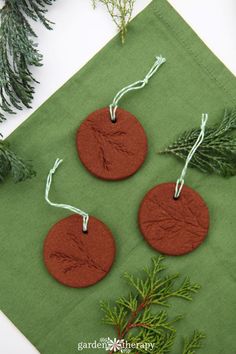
{"type": "Point", "coordinates": [54, 317]}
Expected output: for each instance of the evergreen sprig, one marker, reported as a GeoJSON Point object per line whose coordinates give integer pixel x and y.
{"type": "Point", "coordinates": [18, 51]}
{"type": "Point", "coordinates": [11, 164]}
{"type": "Point", "coordinates": [120, 12]}
{"type": "Point", "coordinates": [133, 317]}
{"type": "Point", "coordinates": [193, 343]}
{"type": "Point", "coordinates": [217, 152]}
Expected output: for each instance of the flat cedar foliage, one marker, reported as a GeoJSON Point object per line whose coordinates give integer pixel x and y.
{"type": "Point", "coordinates": [120, 12]}
{"type": "Point", "coordinates": [141, 316]}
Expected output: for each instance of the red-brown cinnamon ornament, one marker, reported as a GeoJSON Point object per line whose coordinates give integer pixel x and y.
{"type": "Point", "coordinates": [111, 150]}
{"type": "Point", "coordinates": [173, 227]}
{"type": "Point", "coordinates": [77, 259]}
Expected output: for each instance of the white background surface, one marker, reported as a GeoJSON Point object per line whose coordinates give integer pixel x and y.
{"type": "Point", "coordinates": [78, 34]}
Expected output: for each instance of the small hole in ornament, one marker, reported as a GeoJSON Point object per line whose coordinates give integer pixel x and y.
{"type": "Point", "coordinates": [175, 198]}
{"type": "Point", "coordinates": [114, 121]}
{"type": "Point", "coordinates": [85, 232]}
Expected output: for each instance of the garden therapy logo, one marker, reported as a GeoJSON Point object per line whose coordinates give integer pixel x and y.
{"type": "Point", "coordinates": [115, 345]}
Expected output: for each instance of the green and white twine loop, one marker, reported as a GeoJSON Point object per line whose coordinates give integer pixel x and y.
{"type": "Point", "coordinates": [134, 86]}
{"type": "Point", "coordinates": [84, 215]}
{"type": "Point", "coordinates": [180, 181]}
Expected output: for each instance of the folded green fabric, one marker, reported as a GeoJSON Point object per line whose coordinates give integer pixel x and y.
{"type": "Point", "coordinates": [54, 317]}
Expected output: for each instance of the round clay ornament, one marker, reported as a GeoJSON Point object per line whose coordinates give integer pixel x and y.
{"type": "Point", "coordinates": [173, 226]}
{"type": "Point", "coordinates": [173, 218]}
{"type": "Point", "coordinates": [111, 143]}
{"type": "Point", "coordinates": [75, 258]}
{"type": "Point", "coordinates": [79, 250]}
{"type": "Point", "coordinates": [111, 151]}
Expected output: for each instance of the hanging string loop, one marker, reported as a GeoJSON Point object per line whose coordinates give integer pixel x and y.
{"type": "Point", "coordinates": [84, 215]}
{"type": "Point", "coordinates": [134, 86]}
{"type": "Point", "coordinates": [180, 180]}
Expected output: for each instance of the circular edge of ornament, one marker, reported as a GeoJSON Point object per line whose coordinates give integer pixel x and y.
{"type": "Point", "coordinates": [119, 153]}
{"type": "Point", "coordinates": [64, 263]}
{"type": "Point", "coordinates": [164, 225]}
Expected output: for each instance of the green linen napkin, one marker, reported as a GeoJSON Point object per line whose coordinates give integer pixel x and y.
{"type": "Point", "coordinates": [54, 317]}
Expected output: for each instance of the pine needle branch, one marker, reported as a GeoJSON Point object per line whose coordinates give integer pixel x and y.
{"type": "Point", "coordinates": [120, 12]}
{"type": "Point", "coordinates": [217, 153]}
{"type": "Point", "coordinates": [132, 315]}
{"type": "Point", "coordinates": [193, 343]}
{"type": "Point", "coordinates": [18, 51]}
{"type": "Point", "coordinates": [11, 164]}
